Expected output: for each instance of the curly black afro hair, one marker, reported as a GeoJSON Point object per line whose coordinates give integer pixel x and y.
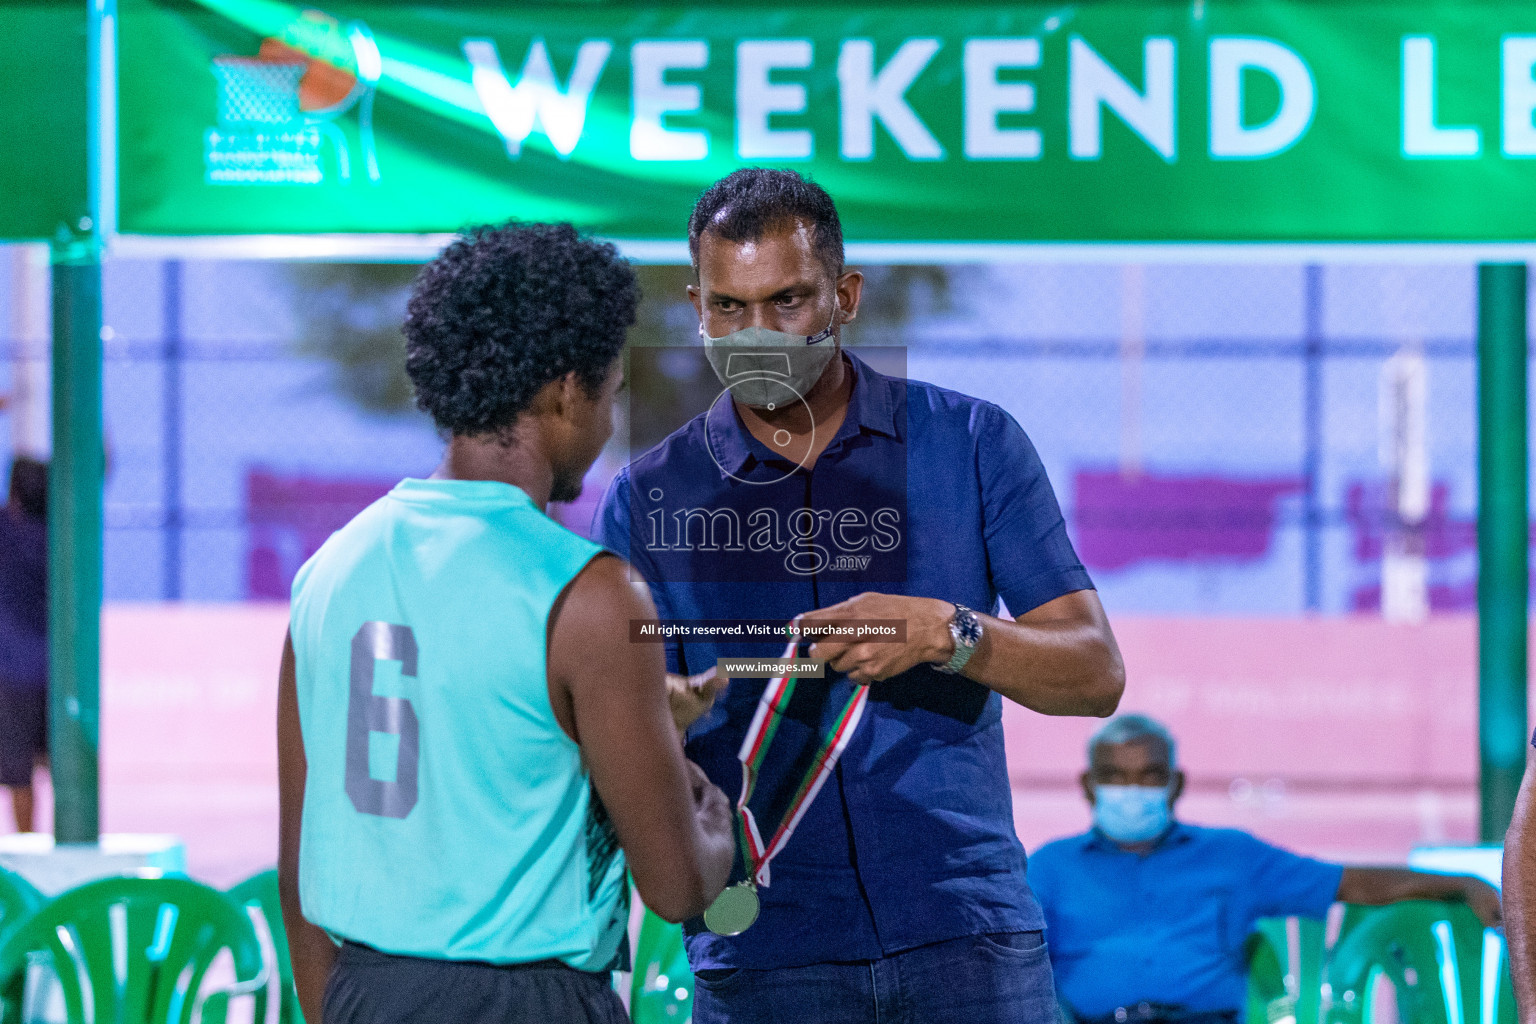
{"type": "Point", "coordinates": [747, 204]}
{"type": "Point", "coordinates": [504, 310]}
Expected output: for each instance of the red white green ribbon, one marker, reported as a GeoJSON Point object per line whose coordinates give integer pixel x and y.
{"type": "Point", "coordinates": [754, 747]}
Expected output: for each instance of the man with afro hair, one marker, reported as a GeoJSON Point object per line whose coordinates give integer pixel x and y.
{"type": "Point", "coordinates": [470, 750]}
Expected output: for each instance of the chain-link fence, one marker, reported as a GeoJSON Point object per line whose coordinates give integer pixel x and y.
{"type": "Point", "coordinates": [1234, 438]}
{"type": "Point", "coordinates": [1251, 441]}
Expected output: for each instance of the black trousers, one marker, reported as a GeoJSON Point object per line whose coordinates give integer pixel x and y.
{"type": "Point", "coordinates": [370, 987]}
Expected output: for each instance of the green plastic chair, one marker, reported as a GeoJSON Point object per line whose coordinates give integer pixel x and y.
{"type": "Point", "coordinates": [19, 900]}
{"type": "Point", "coordinates": [135, 950]}
{"type": "Point", "coordinates": [1445, 967]}
{"type": "Point", "coordinates": [1279, 989]}
{"type": "Point", "coordinates": [1285, 967]}
{"type": "Point", "coordinates": [1268, 991]}
{"type": "Point", "coordinates": [260, 893]}
{"type": "Point", "coordinates": [661, 991]}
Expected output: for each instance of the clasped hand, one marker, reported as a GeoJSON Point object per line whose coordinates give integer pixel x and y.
{"type": "Point", "coordinates": [875, 659]}
{"type": "Point", "coordinates": [862, 660]}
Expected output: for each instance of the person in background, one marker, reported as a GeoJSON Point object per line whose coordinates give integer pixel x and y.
{"type": "Point", "coordinates": [1148, 917]}
{"type": "Point", "coordinates": [24, 634]}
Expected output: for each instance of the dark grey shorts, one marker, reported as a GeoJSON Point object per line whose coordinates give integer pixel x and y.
{"type": "Point", "coordinates": [23, 733]}
{"type": "Point", "coordinates": [370, 987]}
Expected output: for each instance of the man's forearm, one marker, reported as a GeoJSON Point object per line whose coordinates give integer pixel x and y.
{"type": "Point", "coordinates": [311, 951]}
{"type": "Point", "coordinates": [1057, 659]}
{"type": "Point", "coordinates": [1376, 887]}
{"type": "Point", "coordinates": [1067, 665]}
{"type": "Point", "coordinates": [1380, 886]}
{"type": "Point", "coordinates": [1520, 896]}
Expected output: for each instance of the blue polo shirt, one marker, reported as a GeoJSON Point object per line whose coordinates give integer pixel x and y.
{"type": "Point", "coordinates": [922, 492]}
{"type": "Point", "coordinates": [1170, 926]}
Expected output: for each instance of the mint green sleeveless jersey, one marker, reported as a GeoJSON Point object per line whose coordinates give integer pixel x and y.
{"type": "Point", "coordinates": [446, 813]}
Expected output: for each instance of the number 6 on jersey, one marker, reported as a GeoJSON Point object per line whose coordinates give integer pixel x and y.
{"type": "Point", "coordinates": [368, 713]}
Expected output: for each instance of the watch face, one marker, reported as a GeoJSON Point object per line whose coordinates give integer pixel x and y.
{"type": "Point", "coordinates": [969, 627]}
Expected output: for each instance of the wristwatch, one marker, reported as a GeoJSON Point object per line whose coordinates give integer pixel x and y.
{"type": "Point", "coordinates": [965, 629]}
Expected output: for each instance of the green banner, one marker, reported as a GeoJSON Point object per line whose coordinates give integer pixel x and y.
{"type": "Point", "coordinates": [42, 118]}
{"type": "Point", "coordinates": [1111, 121]}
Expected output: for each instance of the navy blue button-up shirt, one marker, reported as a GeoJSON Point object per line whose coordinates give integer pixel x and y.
{"type": "Point", "coordinates": [1169, 926]}
{"type": "Point", "coordinates": [921, 492]}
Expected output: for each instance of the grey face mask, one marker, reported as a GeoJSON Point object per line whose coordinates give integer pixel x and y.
{"type": "Point", "coordinates": [769, 369]}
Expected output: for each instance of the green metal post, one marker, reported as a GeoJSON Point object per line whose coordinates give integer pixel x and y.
{"type": "Point", "coordinates": [1502, 540]}
{"type": "Point", "coordinates": [74, 544]}
{"type": "Point", "coordinates": [76, 473]}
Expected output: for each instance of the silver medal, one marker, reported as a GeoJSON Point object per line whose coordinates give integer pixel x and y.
{"type": "Point", "coordinates": [734, 910]}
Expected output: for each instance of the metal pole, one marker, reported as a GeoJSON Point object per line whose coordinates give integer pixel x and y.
{"type": "Point", "coordinates": [74, 544]}
{"type": "Point", "coordinates": [1502, 540]}
{"type": "Point", "coordinates": [75, 477]}
{"type": "Point", "coordinates": [171, 497]}
{"type": "Point", "coordinates": [1312, 430]}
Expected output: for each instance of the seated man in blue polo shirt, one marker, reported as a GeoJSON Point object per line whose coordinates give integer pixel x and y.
{"type": "Point", "coordinates": [1147, 917]}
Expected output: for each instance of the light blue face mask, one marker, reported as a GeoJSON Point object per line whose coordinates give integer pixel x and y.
{"type": "Point", "coordinates": [1131, 814]}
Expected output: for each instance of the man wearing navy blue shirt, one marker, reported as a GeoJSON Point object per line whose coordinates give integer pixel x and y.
{"type": "Point", "coordinates": [1148, 916]}
{"type": "Point", "coordinates": [818, 488]}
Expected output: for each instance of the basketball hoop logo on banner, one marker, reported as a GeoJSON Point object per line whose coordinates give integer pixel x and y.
{"type": "Point", "coordinates": [280, 111]}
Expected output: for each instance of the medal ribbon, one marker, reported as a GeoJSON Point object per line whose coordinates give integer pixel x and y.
{"type": "Point", "coordinates": [754, 747]}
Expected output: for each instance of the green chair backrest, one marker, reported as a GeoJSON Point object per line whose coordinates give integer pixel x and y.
{"type": "Point", "coordinates": [19, 900]}
{"type": "Point", "coordinates": [1285, 963]}
{"type": "Point", "coordinates": [1445, 967]}
{"type": "Point", "coordinates": [260, 892]}
{"type": "Point", "coordinates": [661, 991]}
{"type": "Point", "coordinates": [135, 950]}
{"type": "Point", "coordinates": [1267, 987]}
{"type": "Point", "coordinates": [1285, 966]}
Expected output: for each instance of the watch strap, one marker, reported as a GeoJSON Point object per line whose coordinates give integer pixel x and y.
{"type": "Point", "coordinates": [965, 630]}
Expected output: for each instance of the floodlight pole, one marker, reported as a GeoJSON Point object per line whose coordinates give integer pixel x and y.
{"type": "Point", "coordinates": [76, 474]}
{"type": "Point", "coordinates": [1503, 539]}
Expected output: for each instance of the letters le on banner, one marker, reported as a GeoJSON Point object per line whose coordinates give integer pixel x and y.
{"type": "Point", "coordinates": [1122, 120]}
